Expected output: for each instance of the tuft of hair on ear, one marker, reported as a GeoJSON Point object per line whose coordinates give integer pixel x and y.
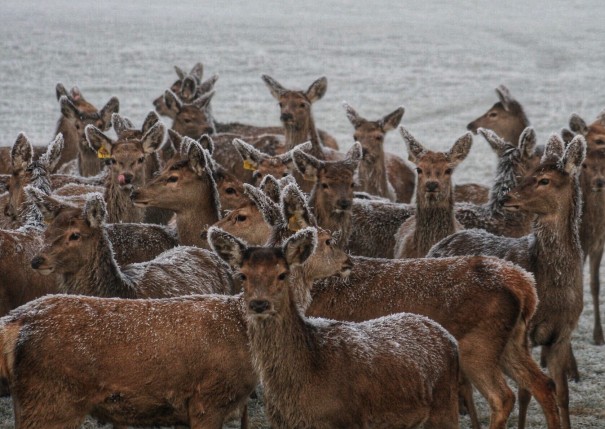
{"type": "Point", "coordinates": [51, 157]}
{"type": "Point", "coordinates": [574, 154]}
{"type": "Point", "coordinates": [352, 115]}
{"type": "Point", "coordinates": [266, 206]}
{"type": "Point", "coordinates": [294, 208]}
{"type": "Point", "coordinates": [22, 153]}
{"type": "Point", "coordinates": [300, 246]}
{"type": "Point", "coordinates": [553, 150]}
{"type": "Point", "coordinates": [229, 248]}
{"type": "Point", "coordinates": [527, 142]}
{"type": "Point", "coordinates": [415, 149]}
{"type": "Point", "coordinates": [95, 210]}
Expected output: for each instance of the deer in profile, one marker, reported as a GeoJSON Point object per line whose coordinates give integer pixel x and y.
{"type": "Point", "coordinates": [194, 78]}
{"type": "Point", "coordinates": [552, 193]}
{"type": "Point", "coordinates": [434, 218]}
{"type": "Point", "coordinates": [381, 173]}
{"type": "Point", "coordinates": [512, 165]}
{"type": "Point", "coordinates": [298, 391]}
{"type": "Point", "coordinates": [126, 158]}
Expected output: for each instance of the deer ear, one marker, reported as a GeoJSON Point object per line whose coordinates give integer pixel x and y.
{"type": "Point", "coordinates": [61, 91]}
{"type": "Point", "coordinates": [203, 100]}
{"type": "Point", "coordinates": [461, 148]}
{"type": "Point", "coordinates": [48, 206]}
{"type": "Point", "coordinates": [112, 106]}
{"type": "Point", "coordinates": [553, 150]}
{"type": "Point", "coordinates": [176, 140]}
{"type": "Point", "coordinates": [229, 248]}
{"type": "Point", "coordinates": [206, 142]}
{"type": "Point", "coordinates": [270, 187]}
{"type": "Point", "coordinates": [601, 117]}
{"type": "Point", "coordinates": [188, 88]}
{"type": "Point", "coordinates": [354, 155]}
{"type": "Point", "coordinates": [353, 116]}
{"type": "Point", "coordinates": [180, 73]}
{"type": "Point", "coordinates": [22, 153]}
{"type": "Point", "coordinates": [574, 154]}
{"type": "Point", "coordinates": [53, 152]}
{"type": "Point", "coordinates": [120, 124]}
{"type": "Point", "coordinates": [197, 156]}
{"type": "Point", "coordinates": [390, 121]}
{"type": "Point", "coordinates": [496, 142]}
{"type": "Point", "coordinates": [415, 149]}
{"type": "Point", "coordinates": [75, 93]}
{"type": "Point", "coordinates": [252, 157]}
{"type": "Point", "coordinates": [274, 86]}
{"type": "Point", "coordinates": [288, 157]}
{"type": "Point", "coordinates": [95, 210]}
{"type": "Point", "coordinates": [172, 102]}
{"type": "Point", "coordinates": [267, 207]}
{"type": "Point", "coordinates": [504, 96]}
{"type": "Point", "coordinates": [307, 165]}
{"type": "Point", "coordinates": [98, 141]}
{"type": "Point", "coordinates": [197, 71]}
{"type": "Point", "coordinates": [577, 124]}
{"type": "Point", "coordinates": [300, 246]}
{"type": "Point", "coordinates": [153, 138]}
{"type": "Point", "coordinates": [150, 120]}
{"type": "Point", "coordinates": [527, 142]}
{"type": "Point", "coordinates": [567, 135]}
{"type": "Point", "coordinates": [295, 210]}
{"type": "Point", "coordinates": [68, 110]}
{"type": "Point", "coordinates": [207, 85]}
{"type": "Point", "coordinates": [317, 89]}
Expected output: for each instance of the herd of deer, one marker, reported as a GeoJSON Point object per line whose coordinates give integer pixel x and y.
{"type": "Point", "coordinates": [156, 278]}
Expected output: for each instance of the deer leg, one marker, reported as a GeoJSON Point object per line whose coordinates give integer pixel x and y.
{"type": "Point", "coordinates": [524, 399]}
{"type": "Point", "coordinates": [557, 361]}
{"type": "Point", "coordinates": [466, 396]}
{"type": "Point", "coordinates": [572, 366]}
{"type": "Point", "coordinates": [595, 286]}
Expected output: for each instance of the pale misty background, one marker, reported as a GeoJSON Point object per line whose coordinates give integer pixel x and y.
{"type": "Point", "coordinates": [439, 59]}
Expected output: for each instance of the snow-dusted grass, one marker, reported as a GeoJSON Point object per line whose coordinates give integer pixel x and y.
{"type": "Point", "coordinates": [441, 60]}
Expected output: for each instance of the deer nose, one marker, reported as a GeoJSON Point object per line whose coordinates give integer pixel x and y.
{"type": "Point", "coordinates": [125, 178]}
{"type": "Point", "coordinates": [471, 127]}
{"type": "Point", "coordinates": [432, 186]}
{"type": "Point", "coordinates": [344, 204]}
{"type": "Point", "coordinates": [259, 306]}
{"type": "Point", "coordinates": [286, 117]}
{"type": "Point", "coordinates": [37, 261]}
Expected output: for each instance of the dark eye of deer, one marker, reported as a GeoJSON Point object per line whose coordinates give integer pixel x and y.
{"type": "Point", "coordinates": [584, 166]}
{"type": "Point", "coordinates": [324, 185]}
{"type": "Point", "coordinates": [419, 170]}
{"type": "Point", "coordinates": [74, 236]}
{"type": "Point", "coordinates": [240, 218]}
{"type": "Point", "coordinates": [448, 171]}
{"type": "Point", "coordinates": [329, 242]}
{"type": "Point", "coordinates": [242, 277]}
{"type": "Point", "coordinates": [302, 105]}
{"type": "Point", "coordinates": [281, 105]}
{"type": "Point", "coordinates": [141, 159]}
{"type": "Point", "coordinates": [600, 142]}
{"type": "Point", "coordinates": [230, 191]}
{"type": "Point", "coordinates": [544, 182]}
{"type": "Point", "coordinates": [282, 276]}
{"type": "Point", "coordinates": [493, 115]}
{"type": "Point", "coordinates": [172, 179]}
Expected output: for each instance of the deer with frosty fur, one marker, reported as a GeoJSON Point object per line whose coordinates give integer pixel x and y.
{"type": "Point", "coordinates": [552, 193]}
{"type": "Point", "coordinates": [434, 218]}
{"type": "Point", "coordinates": [381, 173]}
{"type": "Point", "coordinates": [76, 246]}
{"type": "Point", "coordinates": [508, 302]}
{"type": "Point", "coordinates": [400, 370]}
{"type": "Point", "coordinates": [126, 158]}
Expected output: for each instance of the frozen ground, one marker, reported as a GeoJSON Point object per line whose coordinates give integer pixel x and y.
{"type": "Point", "coordinates": [440, 59]}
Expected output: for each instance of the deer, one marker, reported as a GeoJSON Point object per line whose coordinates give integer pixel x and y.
{"type": "Point", "coordinates": [552, 193]}
{"type": "Point", "coordinates": [381, 173]}
{"type": "Point", "coordinates": [512, 165]}
{"type": "Point", "coordinates": [77, 248]}
{"type": "Point", "coordinates": [187, 187]}
{"type": "Point", "coordinates": [324, 375]}
{"type": "Point", "coordinates": [434, 218]}
{"type": "Point", "coordinates": [193, 78]}
{"type": "Point", "coordinates": [126, 158]}
{"type": "Point", "coordinates": [446, 291]}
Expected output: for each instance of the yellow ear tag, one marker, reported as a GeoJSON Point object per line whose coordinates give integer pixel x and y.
{"type": "Point", "coordinates": [248, 165]}
{"type": "Point", "coordinates": [102, 153]}
{"type": "Point", "coordinates": [293, 224]}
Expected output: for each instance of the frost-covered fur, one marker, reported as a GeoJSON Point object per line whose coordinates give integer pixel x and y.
{"type": "Point", "coordinates": [400, 370]}
{"type": "Point", "coordinates": [512, 164]}
{"type": "Point", "coordinates": [78, 249]}
{"type": "Point", "coordinates": [381, 173]}
{"type": "Point", "coordinates": [180, 361]}
{"type": "Point", "coordinates": [187, 187]}
{"type": "Point", "coordinates": [552, 252]}
{"type": "Point", "coordinates": [434, 218]}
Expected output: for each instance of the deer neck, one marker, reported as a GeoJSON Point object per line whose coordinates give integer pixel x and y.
{"type": "Point", "coordinates": [506, 179]}
{"type": "Point", "coordinates": [433, 223]}
{"type": "Point", "coordinates": [70, 141]}
{"type": "Point", "coordinates": [331, 220]}
{"type": "Point", "coordinates": [373, 177]}
{"type": "Point", "coordinates": [99, 276]}
{"type": "Point", "coordinates": [199, 214]}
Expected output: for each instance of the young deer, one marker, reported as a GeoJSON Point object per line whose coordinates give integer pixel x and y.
{"type": "Point", "coordinates": [332, 193]}
{"type": "Point", "coordinates": [400, 370]}
{"type": "Point", "coordinates": [477, 300]}
{"type": "Point", "coordinates": [78, 249]}
{"type": "Point", "coordinates": [187, 187]}
{"type": "Point", "coordinates": [512, 164]}
{"type": "Point", "coordinates": [552, 193]}
{"type": "Point", "coordinates": [434, 218]}
{"type": "Point", "coordinates": [381, 173]}
{"type": "Point", "coordinates": [297, 119]}
{"type": "Point", "coordinates": [126, 159]}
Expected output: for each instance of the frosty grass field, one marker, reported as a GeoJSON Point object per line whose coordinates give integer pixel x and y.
{"type": "Point", "coordinates": [441, 60]}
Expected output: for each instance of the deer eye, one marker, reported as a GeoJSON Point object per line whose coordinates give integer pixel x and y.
{"type": "Point", "coordinates": [492, 114]}
{"type": "Point", "coordinates": [324, 185]}
{"type": "Point", "coordinates": [230, 191]}
{"type": "Point", "coordinates": [419, 170]}
{"type": "Point", "coordinates": [599, 142]}
{"type": "Point", "coordinates": [240, 218]}
{"type": "Point", "coordinates": [172, 179]}
{"type": "Point", "coordinates": [282, 276]}
{"type": "Point", "coordinates": [544, 182]}
{"type": "Point", "coordinates": [74, 236]}
{"type": "Point", "coordinates": [329, 242]}
{"type": "Point", "coordinates": [301, 105]}
{"type": "Point", "coordinates": [448, 171]}
{"type": "Point", "coordinates": [242, 277]}
{"type": "Point", "coordinates": [141, 160]}
{"type": "Point", "coordinates": [584, 166]}
{"type": "Point", "coordinates": [281, 105]}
